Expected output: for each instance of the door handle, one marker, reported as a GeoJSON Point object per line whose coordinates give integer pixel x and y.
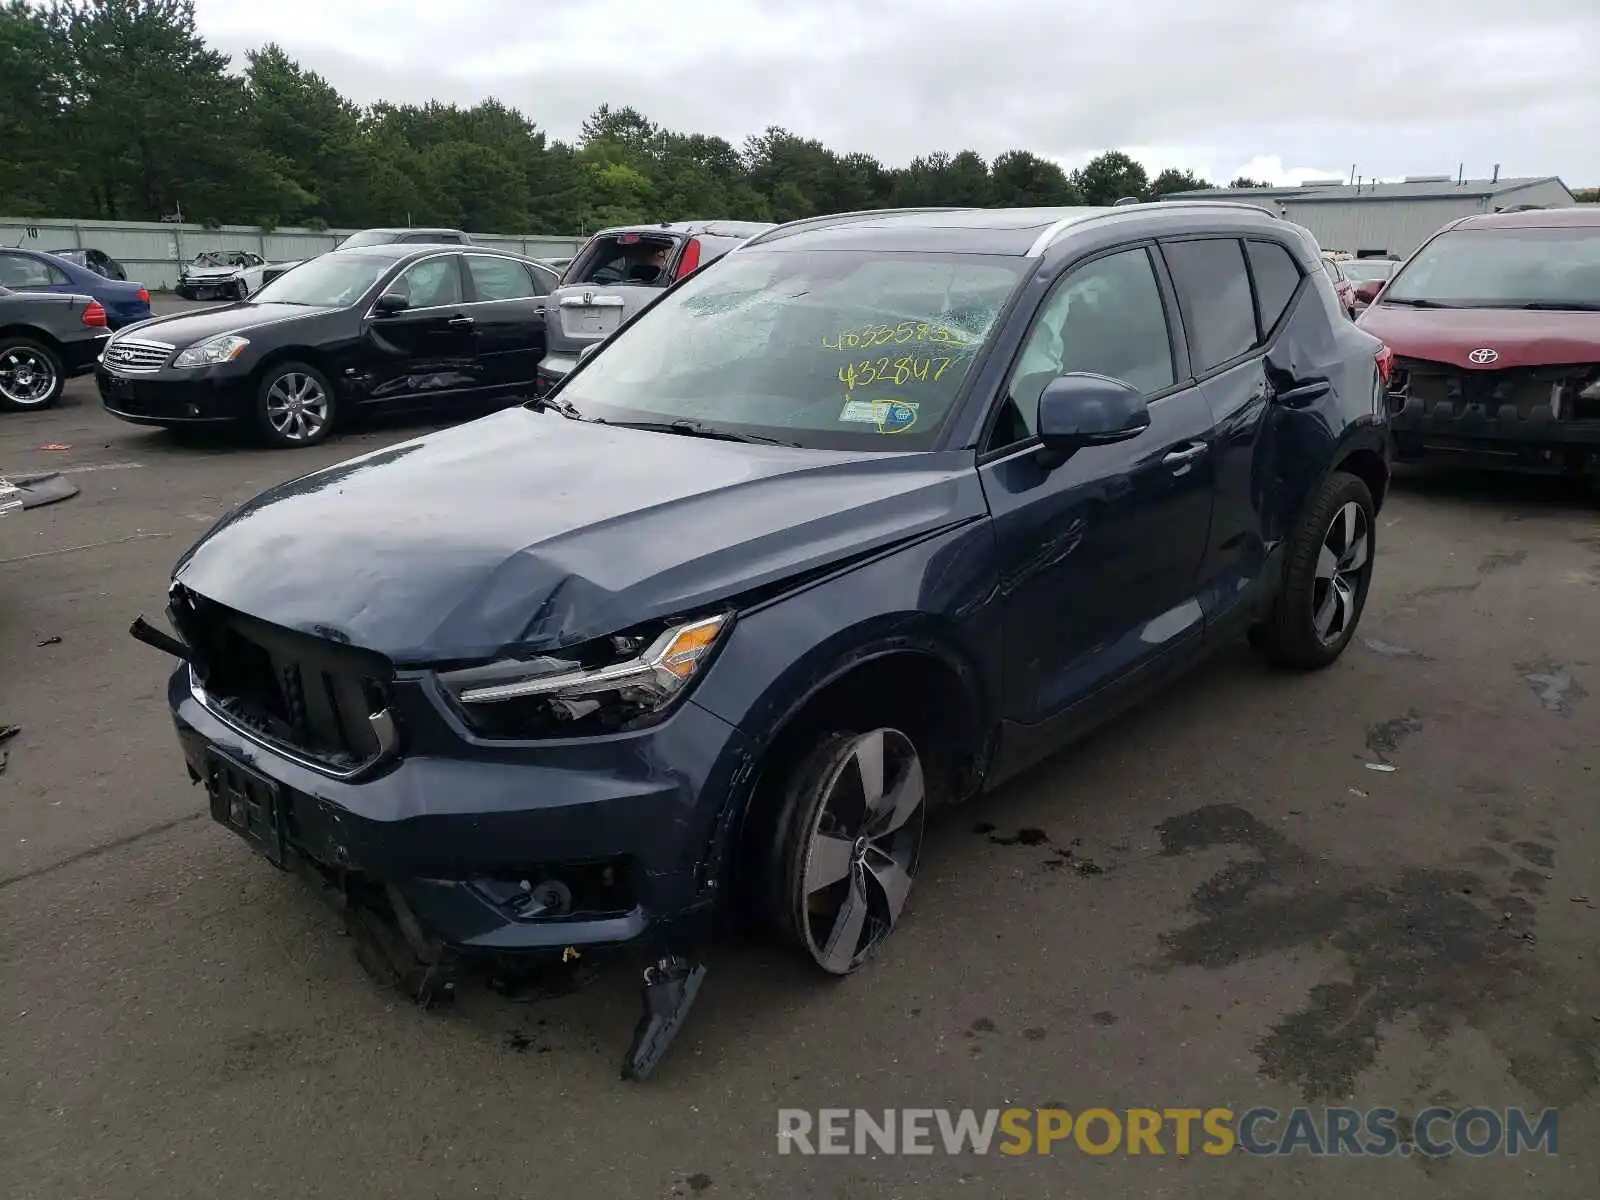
{"type": "Point", "coordinates": [1182, 458]}
{"type": "Point", "coordinates": [460, 322]}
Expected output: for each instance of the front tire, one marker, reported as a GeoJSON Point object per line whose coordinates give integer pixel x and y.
{"type": "Point", "coordinates": [848, 841]}
{"type": "Point", "coordinates": [31, 375]}
{"type": "Point", "coordinates": [295, 405]}
{"type": "Point", "coordinates": [1327, 574]}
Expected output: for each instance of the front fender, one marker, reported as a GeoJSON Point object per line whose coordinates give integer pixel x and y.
{"type": "Point", "coordinates": [935, 596]}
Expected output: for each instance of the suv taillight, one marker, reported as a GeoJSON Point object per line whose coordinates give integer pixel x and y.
{"type": "Point", "coordinates": [94, 314]}
{"type": "Point", "coordinates": [690, 259]}
{"type": "Point", "coordinates": [1385, 357]}
{"type": "Point", "coordinates": [142, 295]}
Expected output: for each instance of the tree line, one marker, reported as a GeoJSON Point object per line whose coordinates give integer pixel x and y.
{"type": "Point", "coordinates": [118, 110]}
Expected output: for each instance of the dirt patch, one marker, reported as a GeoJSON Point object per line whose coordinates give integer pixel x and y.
{"type": "Point", "coordinates": [1422, 944]}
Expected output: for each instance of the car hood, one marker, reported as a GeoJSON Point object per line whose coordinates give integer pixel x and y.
{"type": "Point", "coordinates": [1519, 337]}
{"type": "Point", "coordinates": [185, 329]}
{"type": "Point", "coordinates": [525, 529]}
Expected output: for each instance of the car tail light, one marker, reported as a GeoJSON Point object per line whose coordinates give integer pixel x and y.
{"type": "Point", "coordinates": [1385, 357]}
{"type": "Point", "coordinates": [94, 314]}
{"type": "Point", "coordinates": [690, 259]}
{"type": "Point", "coordinates": [142, 295]}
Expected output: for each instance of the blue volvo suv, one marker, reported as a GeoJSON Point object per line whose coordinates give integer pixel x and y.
{"type": "Point", "coordinates": [868, 516]}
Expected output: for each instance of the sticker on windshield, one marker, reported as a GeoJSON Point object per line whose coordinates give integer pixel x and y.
{"type": "Point", "coordinates": [889, 416]}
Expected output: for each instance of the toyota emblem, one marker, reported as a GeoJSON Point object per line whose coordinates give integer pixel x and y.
{"type": "Point", "coordinates": [1483, 356]}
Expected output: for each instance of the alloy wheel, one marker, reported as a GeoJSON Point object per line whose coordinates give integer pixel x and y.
{"type": "Point", "coordinates": [297, 407]}
{"type": "Point", "coordinates": [1341, 567]}
{"type": "Point", "coordinates": [863, 849]}
{"type": "Point", "coordinates": [27, 376]}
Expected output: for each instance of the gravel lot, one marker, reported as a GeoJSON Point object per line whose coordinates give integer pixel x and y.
{"type": "Point", "coordinates": [1231, 909]}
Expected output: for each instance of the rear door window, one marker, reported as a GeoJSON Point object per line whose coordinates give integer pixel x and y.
{"type": "Point", "coordinates": [1213, 289]}
{"type": "Point", "coordinates": [1277, 277]}
{"type": "Point", "coordinates": [499, 278]}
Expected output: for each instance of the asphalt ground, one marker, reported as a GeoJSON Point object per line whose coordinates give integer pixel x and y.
{"type": "Point", "coordinates": [1217, 902]}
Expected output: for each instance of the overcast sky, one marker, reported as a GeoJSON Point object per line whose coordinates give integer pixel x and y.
{"type": "Point", "coordinates": [1277, 89]}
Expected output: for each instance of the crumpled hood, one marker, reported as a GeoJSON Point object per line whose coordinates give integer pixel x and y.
{"type": "Point", "coordinates": [525, 528]}
{"type": "Point", "coordinates": [1519, 337]}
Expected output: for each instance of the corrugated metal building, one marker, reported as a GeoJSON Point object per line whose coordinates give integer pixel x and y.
{"type": "Point", "coordinates": [1390, 218]}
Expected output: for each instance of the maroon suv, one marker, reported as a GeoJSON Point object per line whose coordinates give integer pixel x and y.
{"type": "Point", "coordinates": [1495, 327]}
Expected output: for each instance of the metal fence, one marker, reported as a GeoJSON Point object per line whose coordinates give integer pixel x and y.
{"type": "Point", "coordinates": [151, 251]}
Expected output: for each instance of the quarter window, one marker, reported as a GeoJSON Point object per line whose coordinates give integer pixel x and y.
{"type": "Point", "coordinates": [1277, 277]}
{"type": "Point", "coordinates": [1214, 293]}
{"type": "Point", "coordinates": [499, 278]}
{"type": "Point", "coordinates": [1106, 317]}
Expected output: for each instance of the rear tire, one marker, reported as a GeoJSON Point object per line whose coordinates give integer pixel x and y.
{"type": "Point", "coordinates": [1327, 574]}
{"type": "Point", "coordinates": [31, 375]}
{"type": "Point", "coordinates": [295, 405]}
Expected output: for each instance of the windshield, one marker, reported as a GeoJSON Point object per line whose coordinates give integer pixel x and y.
{"type": "Point", "coordinates": [331, 281]}
{"type": "Point", "coordinates": [826, 349]}
{"type": "Point", "coordinates": [1365, 270]}
{"type": "Point", "coordinates": [210, 258]}
{"type": "Point", "coordinates": [1503, 268]}
{"type": "Point", "coordinates": [368, 237]}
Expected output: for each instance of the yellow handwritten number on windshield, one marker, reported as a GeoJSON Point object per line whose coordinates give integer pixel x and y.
{"type": "Point", "coordinates": [891, 370]}
{"type": "Point", "coordinates": [869, 337]}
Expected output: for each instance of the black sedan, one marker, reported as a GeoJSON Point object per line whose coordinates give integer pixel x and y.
{"type": "Point", "coordinates": [394, 328]}
{"type": "Point", "coordinates": [45, 338]}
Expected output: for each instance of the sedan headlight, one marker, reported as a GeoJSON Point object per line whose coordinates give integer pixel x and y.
{"type": "Point", "coordinates": [218, 350]}
{"type": "Point", "coordinates": [608, 684]}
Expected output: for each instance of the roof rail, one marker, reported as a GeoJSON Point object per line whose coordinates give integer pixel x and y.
{"type": "Point", "coordinates": [804, 223]}
{"type": "Point", "coordinates": [1046, 239]}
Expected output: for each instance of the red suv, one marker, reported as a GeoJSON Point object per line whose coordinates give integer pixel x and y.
{"type": "Point", "coordinates": [1495, 327]}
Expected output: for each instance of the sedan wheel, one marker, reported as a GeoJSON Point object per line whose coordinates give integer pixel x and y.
{"type": "Point", "coordinates": [296, 405]}
{"type": "Point", "coordinates": [850, 845]}
{"type": "Point", "coordinates": [30, 375]}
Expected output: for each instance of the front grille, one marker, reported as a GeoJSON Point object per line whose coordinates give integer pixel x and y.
{"type": "Point", "coordinates": [320, 702]}
{"type": "Point", "coordinates": [134, 356]}
{"type": "Point", "coordinates": [1441, 390]}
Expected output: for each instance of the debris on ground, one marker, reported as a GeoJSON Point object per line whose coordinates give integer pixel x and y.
{"type": "Point", "coordinates": [53, 640]}
{"type": "Point", "coordinates": [39, 490]}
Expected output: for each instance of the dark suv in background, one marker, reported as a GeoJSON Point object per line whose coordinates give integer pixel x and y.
{"type": "Point", "coordinates": [618, 271]}
{"type": "Point", "coordinates": [875, 514]}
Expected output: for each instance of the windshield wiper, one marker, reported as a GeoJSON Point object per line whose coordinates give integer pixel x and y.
{"type": "Point", "coordinates": [1418, 302]}
{"type": "Point", "coordinates": [696, 429]}
{"type": "Point", "coordinates": [555, 404]}
{"type": "Point", "coordinates": [1562, 305]}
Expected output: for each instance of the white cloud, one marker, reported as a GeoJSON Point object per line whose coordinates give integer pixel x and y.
{"type": "Point", "coordinates": [1231, 87]}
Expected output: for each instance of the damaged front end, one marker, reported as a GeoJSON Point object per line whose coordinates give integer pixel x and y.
{"type": "Point", "coordinates": [521, 819]}
{"type": "Point", "coordinates": [1543, 419]}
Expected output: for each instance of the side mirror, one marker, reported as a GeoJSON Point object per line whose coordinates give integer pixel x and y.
{"type": "Point", "coordinates": [588, 350]}
{"type": "Point", "coordinates": [1367, 291]}
{"type": "Point", "coordinates": [390, 303]}
{"type": "Point", "coordinates": [1081, 409]}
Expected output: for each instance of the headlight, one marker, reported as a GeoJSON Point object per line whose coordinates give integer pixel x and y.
{"type": "Point", "coordinates": [218, 350]}
{"type": "Point", "coordinates": [608, 684]}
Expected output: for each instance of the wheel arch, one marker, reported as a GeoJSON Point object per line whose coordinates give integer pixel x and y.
{"type": "Point", "coordinates": [1369, 466]}
{"type": "Point", "coordinates": [943, 703]}
{"type": "Point", "coordinates": [32, 333]}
